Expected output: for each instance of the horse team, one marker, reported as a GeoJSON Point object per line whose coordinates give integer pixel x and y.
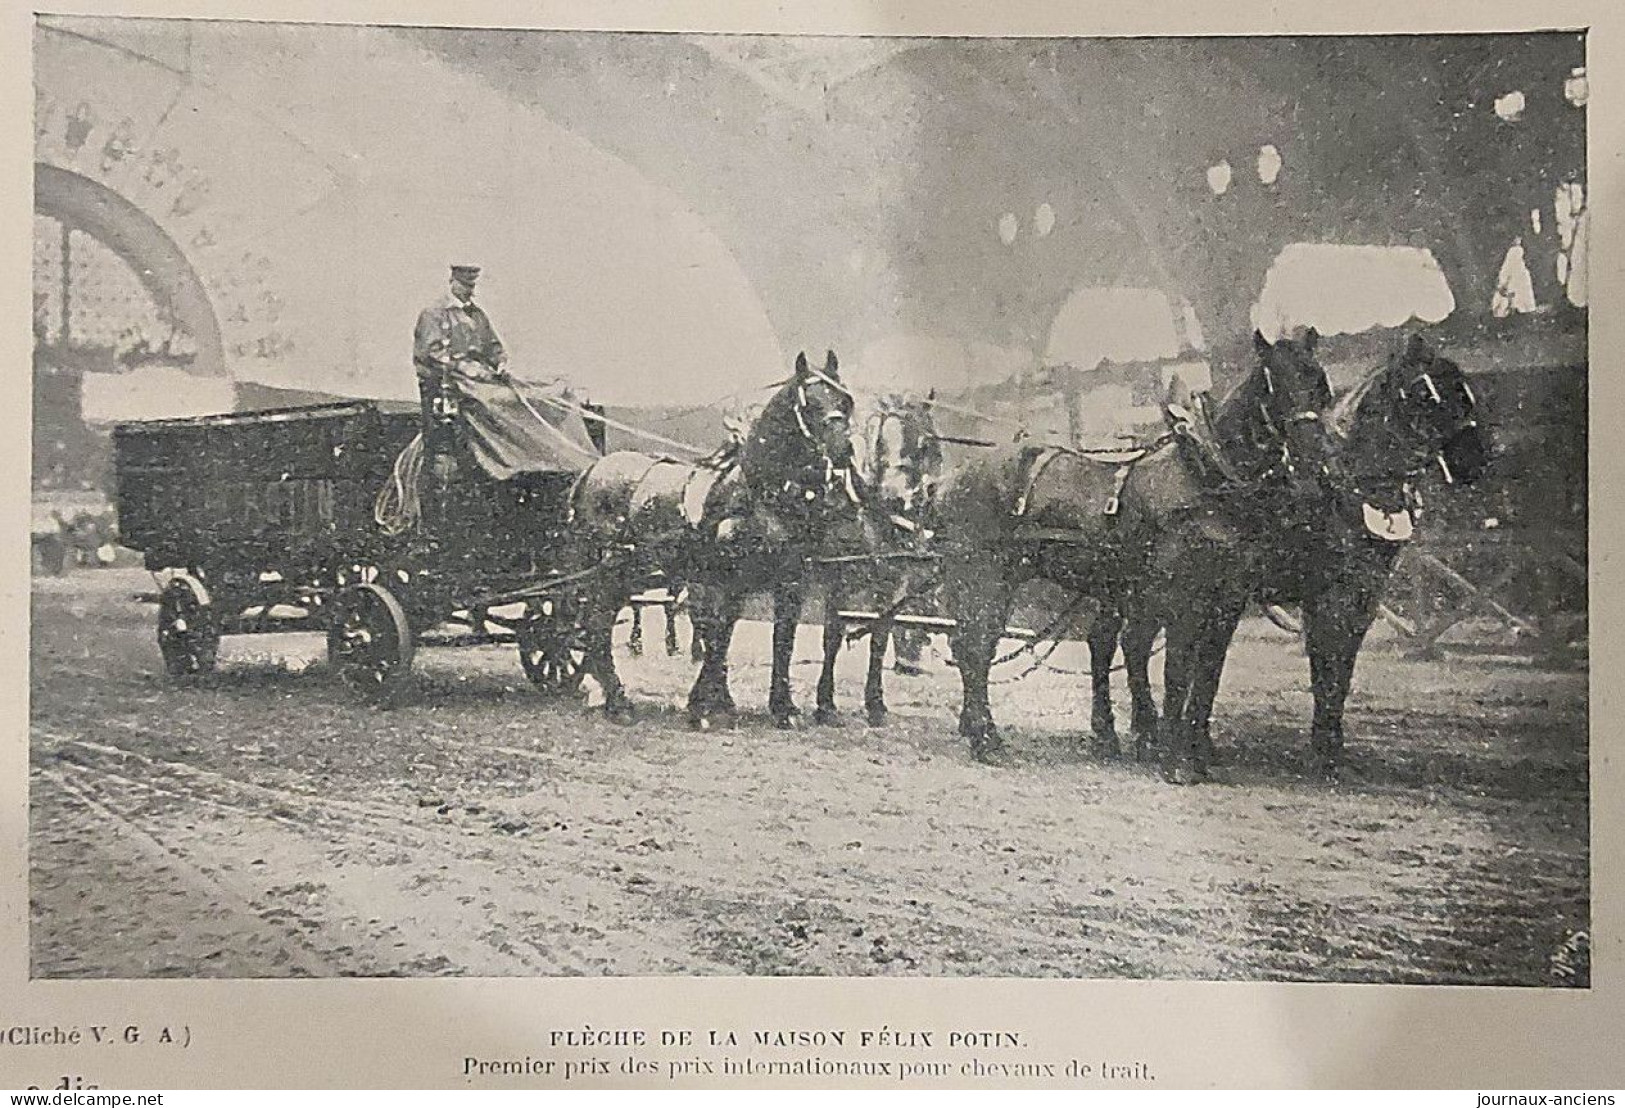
{"type": "Point", "coordinates": [1273, 492]}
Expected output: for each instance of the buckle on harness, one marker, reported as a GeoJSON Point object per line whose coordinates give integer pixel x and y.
{"type": "Point", "coordinates": [1115, 500]}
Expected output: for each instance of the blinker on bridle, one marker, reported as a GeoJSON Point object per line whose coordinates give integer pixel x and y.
{"type": "Point", "coordinates": [1434, 395]}
{"type": "Point", "coordinates": [1308, 415]}
{"type": "Point", "coordinates": [830, 470]}
{"type": "Point", "coordinates": [801, 413]}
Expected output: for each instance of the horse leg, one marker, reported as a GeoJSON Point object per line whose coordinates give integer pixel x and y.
{"type": "Point", "coordinates": [1103, 635]}
{"type": "Point", "coordinates": [599, 656]}
{"type": "Point", "coordinates": [696, 640]}
{"type": "Point", "coordinates": [670, 610]}
{"type": "Point", "coordinates": [834, 631]}
{"type": "Point", "coordinates": [786, 615]}
{"type": "Point", "coordinates": [634, 641]}
{"type": "Point", "coordinates": [1178, 757]}
{"type": "Point", "coordinates": [1215, 649]}
{"type": "Point", "coordinates": [1334, 626]}
{"type": "Point", "coordinates": [984, 600]}
{"type": "Point", "coordinates": [907, 648]}
{"type": "Point", "coordinates": [885, 631]}
{"type": "Point", "coordinates": [714, 612]}
{"type": "Point", "coordinates": [1139, 634]}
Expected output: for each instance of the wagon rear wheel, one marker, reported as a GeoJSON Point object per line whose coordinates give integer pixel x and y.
{"type": "Point", "coordinates": [370, 643]}
{"type": "Point", "coordinates": [188, 636]}
{"type": "Point", "coordinates": [553, 647]}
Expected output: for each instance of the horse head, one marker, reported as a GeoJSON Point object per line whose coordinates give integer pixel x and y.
{"type": "Point", "coordinates": [905, 460]}
{"type": "Point", "coordinates": [804, 434]}
{"type": "Point", "coordinates": [1271, 424]}
{"type": "Point", "coordinates": [1434, 414]}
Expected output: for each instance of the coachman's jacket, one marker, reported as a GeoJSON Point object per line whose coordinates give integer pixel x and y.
{"type": "Point", "coordinates": [449, 332]}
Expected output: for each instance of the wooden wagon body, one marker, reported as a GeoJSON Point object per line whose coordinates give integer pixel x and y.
{"type": "Point", "coordinates": [266, 521]}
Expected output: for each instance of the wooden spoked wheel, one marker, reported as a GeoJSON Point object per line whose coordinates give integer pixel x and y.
{"type": "Point", "coordinates": [188, 636]}
{"type": "Point", "coordinates": [553, 646]}
{"type": "Point", "coordinates": [369, 643]}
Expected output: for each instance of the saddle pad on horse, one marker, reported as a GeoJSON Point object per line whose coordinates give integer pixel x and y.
{"type": "Point", "coordinates": [651, 496]}
{"type": "Point", "coordinates": [673, 493]}
{"type": "Point", "coordinates": [1037, 461]}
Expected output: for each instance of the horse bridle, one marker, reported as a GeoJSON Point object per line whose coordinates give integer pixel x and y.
{"type": "Point", "coordinates": [918, 481]}
{"type": "Point", "coordinates": [1425, 378]}
{"type": "Point", "coordinates": [1271, 425]}
{"type": "Point", "coordinates": [800, 407]}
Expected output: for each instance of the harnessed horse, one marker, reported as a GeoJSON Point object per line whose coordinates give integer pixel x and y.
{"type": "Point", "coordinates": [1178, 532]}
{"type": "Point", "coordinates": [899, 471]}
{"type": "Point", "coordinates": [736, 527]}
{"type": "Point", "coordinates": [1410, 415]}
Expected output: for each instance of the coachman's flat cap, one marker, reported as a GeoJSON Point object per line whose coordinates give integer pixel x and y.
{"type": "Point", "coordinates": [467, 273]}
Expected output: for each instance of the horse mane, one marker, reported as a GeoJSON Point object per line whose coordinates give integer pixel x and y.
{"type": "Point", "coordinates": [1252, 379]}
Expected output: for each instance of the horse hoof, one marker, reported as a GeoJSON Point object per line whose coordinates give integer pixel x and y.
{"type": "Point", "coordinates": [786, 721]}
{"type": "Point", "coordinates": [876, 717]}
{"type": "Point", "coordinates": [621, 713]}
{"type": "Point", "coordinates": [1184, 772]}
{"type": "Point", "coordinates": [1325, 767]}
{"type": "Point", "coordinates": [828, 717]}
{"type": "Point", "coordinates": [701, 724]}
{"type": "Point", "coordinates": [986, 744]}
{"type": "Point", "coordinates": [1104, 744]}
{"type": "Point", "coordinates": [1145, 746]}
{"type": "Point", "coordinates": [972, 728]}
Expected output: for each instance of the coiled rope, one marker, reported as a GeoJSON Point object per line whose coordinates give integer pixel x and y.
{"type": "Point", "coordinates": [398, 506]}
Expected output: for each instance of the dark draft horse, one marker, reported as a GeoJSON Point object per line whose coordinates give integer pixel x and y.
{"type": "Point", "coordinates": [748, 523]}
{"type": "Point", "coordinates": [879, 547]}
{"type": "Point", "coordinates": [1413, 416]}
{"type": "Point", "coordinates": [1179, 535]}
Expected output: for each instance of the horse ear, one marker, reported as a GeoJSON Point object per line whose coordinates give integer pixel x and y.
{"type": "Point", "coordinates": [931, 396]}
{"type": "Point", "coordinates": [1260, 343]}
{"type": "Point", "coordinates": [832, 368]}
{"type": "Point", "coordinates": [801, 363]}
{"type": "Point", "coordinates": [1179, 393]}
{"type": "Point", "coordinates": [1311, 339]}
{"type": "Point", "coordinates": [1417, 349]}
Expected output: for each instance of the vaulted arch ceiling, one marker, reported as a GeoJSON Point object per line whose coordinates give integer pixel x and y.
{"type": "Point", "coordinates": [846, 189]}
{"type": "Point", "coordinates": [868, 163]}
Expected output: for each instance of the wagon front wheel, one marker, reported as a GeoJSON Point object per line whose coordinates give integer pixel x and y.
{"type": "Point", "coordinates": [188, 636]}
{"type": "Point", "coordinates": [370, 643]}
{"type": "Point", "coordinates": [553, 647]}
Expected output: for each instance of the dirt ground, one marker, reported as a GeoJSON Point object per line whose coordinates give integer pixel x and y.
{"type": "Point", "coordinates": [257, 823]}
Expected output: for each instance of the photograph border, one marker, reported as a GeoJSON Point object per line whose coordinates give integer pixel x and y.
{"type": "Point", "coordinates": [387, 1033]}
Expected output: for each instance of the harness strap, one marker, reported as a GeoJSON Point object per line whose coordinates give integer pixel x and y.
{"type": "Point", "coordinates": [1196, 428]}
{"type": "Point", "coordinates": [1034, 471]}
{"type": "Point", "coordinates": [688, 485]}
{"type": "Point", "coordinates": [1115, 501]}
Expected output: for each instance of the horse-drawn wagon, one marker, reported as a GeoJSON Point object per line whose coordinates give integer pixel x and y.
{"type": "Point", "coordinates": [270, 521]}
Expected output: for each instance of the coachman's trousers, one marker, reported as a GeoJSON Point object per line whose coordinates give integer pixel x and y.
{"type": "Point", "coordinates": [439, 465]}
